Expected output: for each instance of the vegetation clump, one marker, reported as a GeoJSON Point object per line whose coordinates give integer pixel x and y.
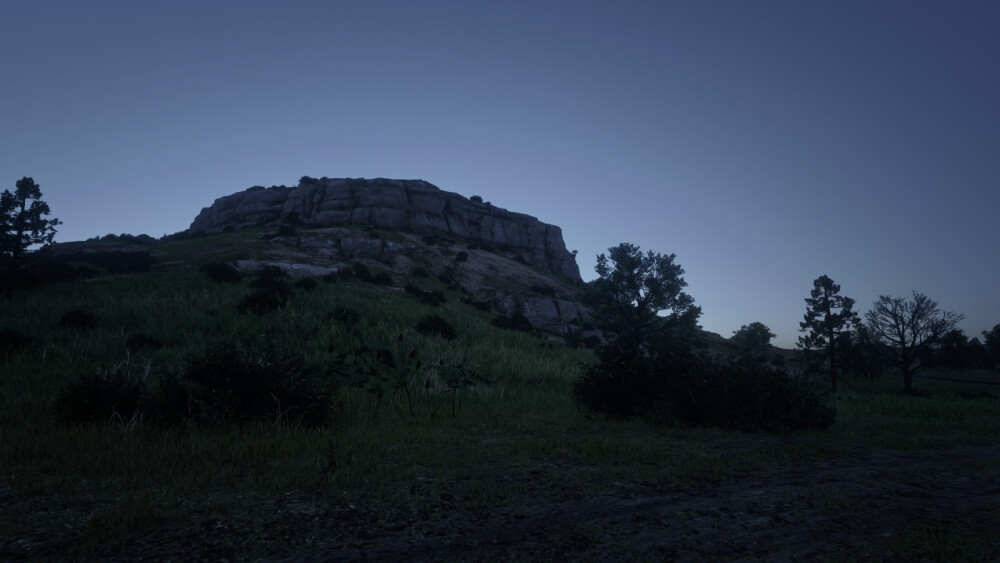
{"type": "Point", "coordinates": [221, 272]}
{"type": "Point", "coordinates": [436, 325]}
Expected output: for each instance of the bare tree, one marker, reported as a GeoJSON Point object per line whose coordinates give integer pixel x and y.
{"type": "Point", "coordinates": [909, 328]}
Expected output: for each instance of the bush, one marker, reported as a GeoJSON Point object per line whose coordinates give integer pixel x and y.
{"type": "Point", "coordinates": [224, 386]}
{"type": "Point", "coordinates": [306, 284]}
{"type": "Point", "coordinates": [382, 278]}
{"type": "Point", "coordinates": [13, 341]}
{"type": "Point", "coordinates": [77, 318]}
{"type": "Point", "coordinates": [221, 272]}
{"type": "Point", "coordinates": [99, 398]}
{"type": "Point", "coordinates": [419, 272]}
{"type": "Point", "coordinates": [435, 325]}
{"type": "Point", "coordinates": [462, 256]}
{"type": "Point", "coordinates": [271, 291]}
{"type": "Point", "coordinates": [361, 272]}
{"type": "Point", "coordinates": [142, 340]}
{"type": "Point", "coordinates": [675, 386]}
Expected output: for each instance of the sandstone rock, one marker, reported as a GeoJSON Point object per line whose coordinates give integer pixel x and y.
{"type": "Point", "coordinates": [412, 206]}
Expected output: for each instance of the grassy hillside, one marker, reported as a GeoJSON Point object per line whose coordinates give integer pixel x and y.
{"type": "Point", "coordinates": [510, 436]}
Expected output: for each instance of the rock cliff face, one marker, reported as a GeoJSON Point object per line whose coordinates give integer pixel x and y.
{"type": "Point", "coordinates": [413, 206]}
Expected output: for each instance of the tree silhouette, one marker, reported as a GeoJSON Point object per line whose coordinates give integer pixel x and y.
{"type": "Point", "coordinates": [633, 289]}
{"type": "Point", "coordinates": [909, 329]}
{"type": "Point", "coordinates": [22, 225]}
{"type": "Point", "coordinates": [753, 339]}
{"type": "Point", "coordinates": [828, 316]}
{"type": "Point", "coordinates": [991, 339]}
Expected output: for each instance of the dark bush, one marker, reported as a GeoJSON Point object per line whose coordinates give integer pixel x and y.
{"type": "Point", "coordinates": [272, 279]}
{"type": "Point", "coordinates": [77, 318]}
{"type": "Point", "coordinates": [13, 341]}
{"type": "Point", "coordinates": [419, 272]}
{"type": "Point", "coordinates": [675, 386]}
{"type": "Point", "coordinates": [262, 302]}
{"type": "Point", "coordinates": [382, 278]}
{"type": "Point", "coordinates": [481, 305]}
{"type": "Point", "coordinates": [436, 325]}
{"type": "Point", "coordinates": [462, 256]}
{"type": "Point", "coordinates": [98, 398]}
{"type": "Point", "coordinates": [221, 272]}
{"type": "Point", "coordinates": [476, 199]}
{"type": "Point", "coordinates": [513, 322]}
{"type": "Point", "coordinates": [361, 272]}
{"type": "Point", "coordinates": [432, 297]}
{"type": "Point", "coordinates": [121, 262]}
{"type": "Point", "coordinates": [224, 386]}
{"type": "Point", "coordinates": [142, 340]}
{"type": "Point", "coordinates": [307, 284]}
{"type": "Point", "coordinates": [519, 258]}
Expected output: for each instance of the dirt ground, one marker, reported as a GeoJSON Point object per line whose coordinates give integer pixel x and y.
{"type": "Point", "coordinates": [808, 511]}
{"type": "Point", "coordinates": [804, 512]}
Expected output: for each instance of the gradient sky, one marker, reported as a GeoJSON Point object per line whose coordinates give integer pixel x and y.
{"type": "Point", "coordinates": [764, 143]}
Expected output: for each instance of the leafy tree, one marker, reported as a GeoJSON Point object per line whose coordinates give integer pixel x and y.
{"type": "Point", "coordinates": [828, 316]}
{"type": "Point", "coordinates": [23, 225]}
{"type": "Point", "coordinates": [634, 289]}
{"type": "Point", "coordinates": [991, 339]}
{"type": "Point", "coordinates": [908, 330]}
{"type": "Point", "coordinates": [753, 339]}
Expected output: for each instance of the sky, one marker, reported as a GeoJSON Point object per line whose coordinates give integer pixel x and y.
{"type": "Point", "coordinates": [764, 143]}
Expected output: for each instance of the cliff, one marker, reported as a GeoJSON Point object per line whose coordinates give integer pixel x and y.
{"type": "Point", "coordinates": [409, 206]}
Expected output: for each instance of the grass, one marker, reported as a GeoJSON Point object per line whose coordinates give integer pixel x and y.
{"type": "Point", "coordinates": [516, 439]}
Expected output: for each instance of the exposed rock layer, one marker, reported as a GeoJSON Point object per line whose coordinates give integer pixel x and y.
{"type": "Point", "coordinates": [412, 206]}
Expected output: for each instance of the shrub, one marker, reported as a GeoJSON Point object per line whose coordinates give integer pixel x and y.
{"type": "Point", "coordinates": [221, 272]}
{"type": "Point", "coordinates": [432, 297]}
{"type": "Point", "coordinates": [476, 199]}
{"type": "Point", "coordinates": [462, 256]}
{"type": "Point", "coordinates": [676, 386]}
{"type": "Point", "coordinates": [361, 272]}
{"type": "Point", "coordinates": [419, 272]}
{"type": "Point", "coordinates": [436, 325]}
{"type": "Point", "coordinates": [12, 341]}
{"type": "Point", "coordinates": [142, 340]}
{"type": "Point", "coordinates": [77, 318]}
{"type": "Point", "coordinates": [382, 278]}
{"type": "Point", "coordinates": [98, 398]}
{"type": "Point", "coordinates": [262, 302]}
{"type": "Point", "coordinates": [224, 386]}
{"type": "Point", "coordinates": [307, 284]}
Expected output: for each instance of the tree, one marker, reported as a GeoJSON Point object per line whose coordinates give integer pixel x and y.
{"type": "Point", "coordinates": [634, 289]}
{"type": "Point", "coordinates": [753, 339]}
{"type": "Point", "coordinates": [828, 316]}
{"type": "Point", "coordinates": [909, 329]}
{"type": "Point", "coordinates": [22, 225]}
{"type": "Point", "coordinates": [991, 339]}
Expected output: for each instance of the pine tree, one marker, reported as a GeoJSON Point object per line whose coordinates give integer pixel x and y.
{"type": "Point", "coordinates": [828, 316]}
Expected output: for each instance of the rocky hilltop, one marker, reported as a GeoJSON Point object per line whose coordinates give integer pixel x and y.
{"type": "Point", "coordinates": [512, 262]}
{"type": "Point", "coordinates": [412, 206]}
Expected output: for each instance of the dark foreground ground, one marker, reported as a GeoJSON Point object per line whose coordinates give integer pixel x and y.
{"type": "Point", "coordinates": [932, 505]}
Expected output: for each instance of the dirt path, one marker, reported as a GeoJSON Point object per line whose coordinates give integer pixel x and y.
{"type": "Point", "coordinates": [801, 512]}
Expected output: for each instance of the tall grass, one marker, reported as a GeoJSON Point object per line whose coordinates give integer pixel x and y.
{"type": "Point", "coordinates": [515, 437]}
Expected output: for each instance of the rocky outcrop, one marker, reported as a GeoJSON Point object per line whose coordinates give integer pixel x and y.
{"type": "Point", "coordinates": [413, 206]}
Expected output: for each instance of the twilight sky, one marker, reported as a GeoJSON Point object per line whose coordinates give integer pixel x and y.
{"type": "Point", "coordinates": [764, 143]}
